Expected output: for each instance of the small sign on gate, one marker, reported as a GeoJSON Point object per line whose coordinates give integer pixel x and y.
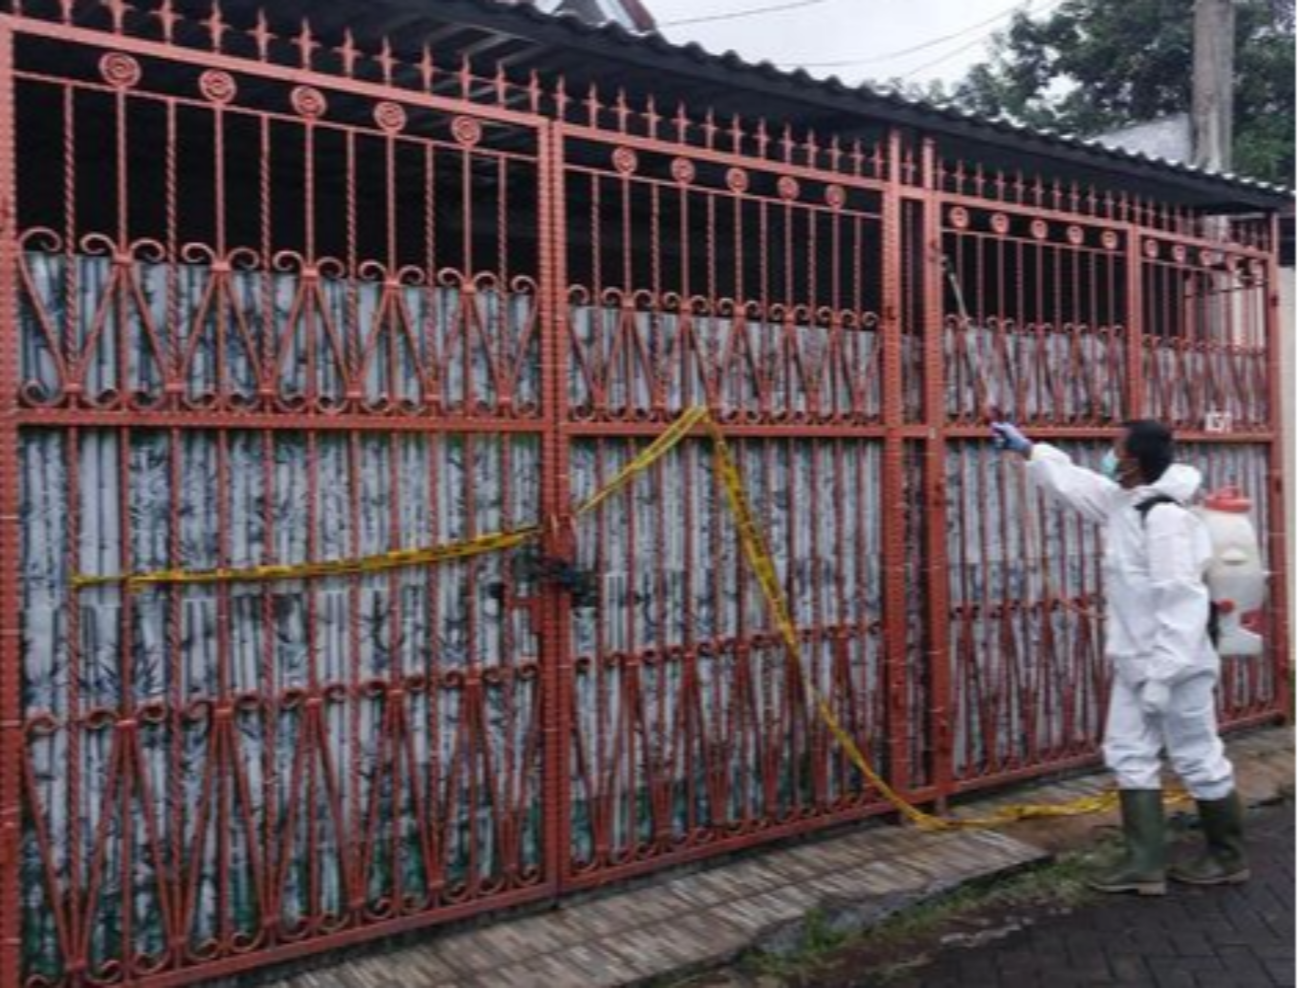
{"type": "Point", "coordinates": [1217, 422]}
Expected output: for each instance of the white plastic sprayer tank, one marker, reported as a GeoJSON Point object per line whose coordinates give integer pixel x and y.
{"type": "Point", "coordinates": [1236, 578]}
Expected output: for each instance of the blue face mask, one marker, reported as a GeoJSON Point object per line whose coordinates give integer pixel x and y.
{"type": "Point", "coordinates": [1110, 465]}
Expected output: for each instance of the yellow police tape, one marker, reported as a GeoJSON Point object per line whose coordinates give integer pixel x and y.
{"type": "Point", "coordinates": [760, 559]}
{"type": "Point", "coordinates": [402, 558]}
{"type": "Point", "coordinates": [397, 559]}
{"type": "Point", "coordinates": [755, 549]}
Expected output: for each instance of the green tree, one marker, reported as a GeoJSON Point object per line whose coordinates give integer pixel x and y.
{"type": "Point", "coordinates": [1095, 65]}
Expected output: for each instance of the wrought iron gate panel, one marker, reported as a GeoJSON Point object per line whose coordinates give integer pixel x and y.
{"type": "Point", "coordinates": [1211, 353]}
{"type": "Point", "coordinates": [700, 277]}
{"type": "Point", "coordinates": [1074, 311]}
{"type": "Point", "coordinates": [745, 272]}
{"type": "Point", "coordinates": [308, 328]}
{"type": "Point", "coordinates": [691, 726]}
{"type": "Point", "coordinates": [1030, 685]}
{"type": "Point", "coordinates": [1206, 357]}
{"type": "Point", "coordinates": [1035, 316]}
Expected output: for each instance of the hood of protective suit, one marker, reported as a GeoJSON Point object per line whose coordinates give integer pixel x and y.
{"type": "Point", "coordinates": [1179, 481]}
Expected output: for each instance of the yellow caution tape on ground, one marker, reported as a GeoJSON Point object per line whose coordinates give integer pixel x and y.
{"type": "Point", "coordinates": [755, 549]}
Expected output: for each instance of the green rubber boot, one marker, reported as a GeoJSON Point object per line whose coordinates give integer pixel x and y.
{"type": "Point", "coordinates": [1223, 860]}
{"type": "Point", "coordinates": [1145, 859]}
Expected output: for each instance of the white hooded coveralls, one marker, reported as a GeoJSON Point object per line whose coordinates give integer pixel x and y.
{"type": "Point", "coordinates": [1156, 628]}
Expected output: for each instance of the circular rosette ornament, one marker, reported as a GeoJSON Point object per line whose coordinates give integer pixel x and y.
{"type": "Point", "coordinates": [308, 102]}
{"type": "Point", "coordinates": [625, 161]}
{"type": "Point", "coordinates": [737, 180]}
{"type": "Point", "coordinates": [390, 117]}
{"type": "Point", "coordinates": [683, 170]}
{"type": "Point", "coordinates": [217, 86]}
{"type": "Point", "coordinates": [467, 131]}
{"type": "Point", "coordinates": [119, 70]}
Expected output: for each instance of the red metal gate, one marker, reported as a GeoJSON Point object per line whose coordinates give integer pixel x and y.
{"type": "Point", "coordinates": [272, 317]}
{"type": "Point", "coordinates": [286, 316]}
{"type": "Point", "coordinates": [700, 271]}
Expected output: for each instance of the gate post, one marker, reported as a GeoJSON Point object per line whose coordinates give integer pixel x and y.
{"type": "Point", "coordinates": [557, 540]}
{"type": "Point", "coordinates": [893, 481]}
{"type": "Point", "coordinates": [938, 657]}
{"type": "Point", "coordinates": [11, 740]}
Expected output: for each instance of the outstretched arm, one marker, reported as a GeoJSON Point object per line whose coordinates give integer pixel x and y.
{"type": "Point", "coordinates": [1086, 491]}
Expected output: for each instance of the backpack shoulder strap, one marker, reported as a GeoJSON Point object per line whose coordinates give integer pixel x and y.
{"type": "Point", "coordinates": [1212, 625]}
{"type": "Point", "coordinates": [1144, 507]}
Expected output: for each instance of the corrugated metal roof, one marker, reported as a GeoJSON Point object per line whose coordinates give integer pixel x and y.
{"type": "Point", "coordinates": [873, 98]}
{"type": "Point", "coordinates": [630, 14]}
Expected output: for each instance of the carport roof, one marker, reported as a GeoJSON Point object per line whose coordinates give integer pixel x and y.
{"type": "Point", "coordinates": [639, 52]}
{"type": "Point", "coordinates": [522, 38]}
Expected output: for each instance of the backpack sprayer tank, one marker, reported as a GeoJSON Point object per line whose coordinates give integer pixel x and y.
{"type": "Point", "coordinates": [1235, 576]}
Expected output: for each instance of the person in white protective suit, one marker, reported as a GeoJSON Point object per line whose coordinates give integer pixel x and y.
{"type": "Point", "coordinates": [1157, 638]}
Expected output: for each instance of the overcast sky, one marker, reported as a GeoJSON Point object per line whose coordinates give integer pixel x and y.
{"type": "Point", "coordinates": [918, 40]}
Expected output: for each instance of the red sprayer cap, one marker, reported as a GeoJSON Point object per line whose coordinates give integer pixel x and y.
{"type": "Point", "coordinates": [1228, 499]}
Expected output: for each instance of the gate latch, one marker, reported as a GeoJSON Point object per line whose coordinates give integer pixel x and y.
{"type": "Point", "coordinates": [532, 567]}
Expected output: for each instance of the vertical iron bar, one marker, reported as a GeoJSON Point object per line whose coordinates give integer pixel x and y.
{"type": "Point", "coordinates": [174, 335]}
{"type": "Point", "coordinates": [11, 739]}
{"type": "Point", "coordinates": [353, 353]}
{"type": "Point", "coordinates": [225, 775]}
{"type": "Point", "coordinates": [267, 673]}
{"type": "Point", "coordinates": [125, 730]}
{"type": "Point", "coordinates": [938, 659]}
{"type": "Point", "coordinates": [72, 299]}
{"type": "Point", "coordinates": [893, 480]}
{"type": "Point", "coordinates": [438, 840]}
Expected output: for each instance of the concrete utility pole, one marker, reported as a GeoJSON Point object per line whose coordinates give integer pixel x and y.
{"type": "Point", "coordinates": [1211, 85]}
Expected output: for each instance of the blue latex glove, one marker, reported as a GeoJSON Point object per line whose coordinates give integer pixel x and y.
{"type": "Point", "coordinates": [1007, 436]}
{"type": "Point", "coordinates": [1155, 696]}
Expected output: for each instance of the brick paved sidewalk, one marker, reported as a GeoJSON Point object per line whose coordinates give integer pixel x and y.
{"type": "Point", "coordinates": [1239, 937]}
{"type": "Point", "coordinates": [657, 932]}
